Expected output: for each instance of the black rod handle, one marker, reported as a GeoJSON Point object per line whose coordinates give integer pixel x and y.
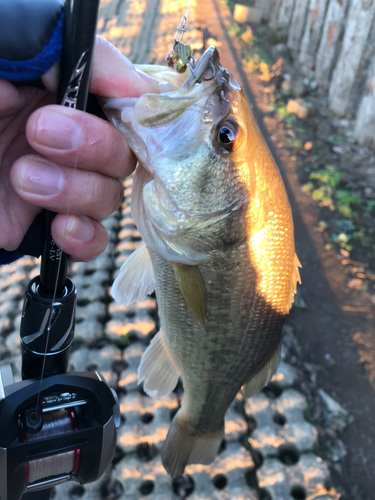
{"type": "Point", "coordinates": [80, 18]}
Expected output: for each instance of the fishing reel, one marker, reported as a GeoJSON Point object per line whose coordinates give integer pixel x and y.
{"type": "Point", "coordinates": [58, 429]}
{"type": "Point", "coordinates": [61, 427]}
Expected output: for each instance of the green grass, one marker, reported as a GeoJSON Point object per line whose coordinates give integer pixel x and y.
{"type": "Point", "coordinates": [276, 36]}
{"type": "Point", "coordinates": [232, 3]}
{"type": "Point", "coordinates": [325, 188]}
{"type": "Point", "coordinates": [295, 143]}
{"type": "Point", "coordinates": [308, 188]}
{"type": "Point", "coordinates": [324, 196]}
{"type": "Point", "coordinates": [282, 113]}
{"type": "Point", "coordinates": [345, 199]}
{"type": "Point", "coordinates": [329, 194]}
{"type": "Point", "coordinates": [235, 30]}
{"type": "Point", "coordinates": [336, 138]}
{"type": "Point", "coordinates": [329, 175]}
{"type": "Point", "coordinates": [370, 207]}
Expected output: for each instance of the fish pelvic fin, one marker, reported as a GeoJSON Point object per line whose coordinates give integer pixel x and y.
{"type": "Point", "coordinates": [158, 368]}
{"type": "Point", "coordinates": [263, 376]}
{"type": "Point", "coordinates": [136, 278]}
{"type": "Point", "coordinates": [184, 447]}
{"type": "Point", "coordinates": [193, 289]}
{"type": "Point", "coordinates": [294, 279]}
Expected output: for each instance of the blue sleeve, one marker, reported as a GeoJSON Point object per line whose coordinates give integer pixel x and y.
{"type": "Point", "coordinates": [34, 68]}
{"type": "Point", "coordinates": [30, 44]}
{"type": "Point", "coordinates": [8, 257]}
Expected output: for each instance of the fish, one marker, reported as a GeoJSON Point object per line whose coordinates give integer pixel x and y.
{"type": "Point", "coordinates": [218, 249]}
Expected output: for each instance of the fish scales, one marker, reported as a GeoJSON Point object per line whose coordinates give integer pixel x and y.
{"type": "Point", "coordinates": [215, 363]}
{"type": "Point", "coordinates": [218, 249]}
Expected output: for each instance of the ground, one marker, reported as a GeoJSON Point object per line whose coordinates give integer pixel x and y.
{"type": "Point", "coordinates": [334, 233]}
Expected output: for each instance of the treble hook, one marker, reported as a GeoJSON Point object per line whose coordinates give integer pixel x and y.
{"type": "Point", "coordinates": [192, 66]}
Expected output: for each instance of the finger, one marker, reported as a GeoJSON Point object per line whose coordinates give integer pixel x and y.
{"type": "Point", "coordinates": [80, 237]}
{"type": "Point", "coordinates": [12, 99]}
{"type": "Point", "coordinates": [16, 218]}
{"type": "Point", "coordinates": [74, 138]}
{"type": "Point", "coordinates": [64, 190]}
{"type": "Point", "coordinates": [113, 75]}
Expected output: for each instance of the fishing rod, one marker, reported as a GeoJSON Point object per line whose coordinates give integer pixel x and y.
{"type": "Point", "coordinates": [55, 426]}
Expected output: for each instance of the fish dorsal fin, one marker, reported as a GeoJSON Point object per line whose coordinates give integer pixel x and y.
{"type": "Point", "coordinates": [263, 376]}
{"type": "Point", "coordinates": [158, 368]}
{"type": "Point", "coordinates": [294, 279]}
{"type": "Point", "coordinates": [193, 289]}
{"type": "Point", "coordinates": [136, 278]}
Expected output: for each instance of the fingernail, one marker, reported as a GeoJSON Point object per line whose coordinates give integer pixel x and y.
{"type": "Point", "coordinates": [40, 178]}
{"type": "Point", "coordinates": [80, 228]}
{"type": "Point", "coordinates": [147, 78]}
{"type": "Point", "coordinates": [58, 131]}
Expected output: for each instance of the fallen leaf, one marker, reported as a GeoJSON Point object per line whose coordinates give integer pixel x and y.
{"type": "Point", "coordinates": [307, 146]}
{"type": "Point", "coordinates": [355, 283]}
{"type": "Point", "coordinates": [265, 70]}
{"type": "Point", "coordinates": [212, 41]}
{"type": "Point", "coordinates": [248, 35]}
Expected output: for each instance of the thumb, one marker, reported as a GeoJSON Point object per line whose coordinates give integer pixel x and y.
{"type": "Point", "coordinates": [113, 75]}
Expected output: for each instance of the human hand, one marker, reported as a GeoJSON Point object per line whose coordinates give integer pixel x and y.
{"type": "Point", "coordinates": [40, 146]}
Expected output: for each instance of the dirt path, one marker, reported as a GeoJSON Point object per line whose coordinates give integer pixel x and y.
{"type": "Point", "coordinates": [335, 315]}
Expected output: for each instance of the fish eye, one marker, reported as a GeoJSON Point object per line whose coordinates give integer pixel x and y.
{"type": "Point", "coordinates": [229, 135]}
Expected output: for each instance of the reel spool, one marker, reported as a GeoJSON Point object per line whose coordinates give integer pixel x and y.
{"type": "Point", "coordinates": [55, 423]}
{"type": "Point", "coordinates": [62, 428]}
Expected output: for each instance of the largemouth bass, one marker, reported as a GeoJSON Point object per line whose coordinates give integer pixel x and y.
{"type": "Point", "coordinates": [218, 249]}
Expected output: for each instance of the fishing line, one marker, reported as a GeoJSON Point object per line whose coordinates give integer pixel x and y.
{"type": "Point", "coordinates": [56, 286]}
{"type": "Point", "coordinates": [80, 19]}
{"type": "Point", "coordinates": [55, 423]}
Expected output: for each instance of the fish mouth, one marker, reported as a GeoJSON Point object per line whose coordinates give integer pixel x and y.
{"type": "Point", "coordinates": [207, 69]}
{"type": "Point", "coordinates": [167, 124]}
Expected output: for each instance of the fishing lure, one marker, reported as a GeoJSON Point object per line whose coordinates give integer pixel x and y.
{"type": "Point", "coordinates": [180, 56]}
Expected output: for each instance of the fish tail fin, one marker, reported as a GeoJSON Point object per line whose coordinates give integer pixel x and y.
{"type": "Point", "coordinates": [263, 376]}
{"type": "Point", "coordinates": [183, 447]}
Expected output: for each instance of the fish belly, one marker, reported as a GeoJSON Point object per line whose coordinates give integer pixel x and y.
{"type": "Point", "coordinates": [241, 333]}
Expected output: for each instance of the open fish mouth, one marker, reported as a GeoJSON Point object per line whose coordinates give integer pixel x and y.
{"type": "Point", "coordinates": [159, 109]}
{"type": "Point", "coordinates": [208, 68]}
{"type": "Point", "coordinates": [168, 124]}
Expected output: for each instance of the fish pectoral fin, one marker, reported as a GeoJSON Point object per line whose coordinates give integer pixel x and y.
{"type": "Point", "coordinates": [183, 447]}
{"type": "Point", "coordinates": [158, 368]}
{"type": "Point", "coordinates": [263, 376]}
{"type": "Point", "coordinates": [136, 278]}
{"type": "Point", "coordinates": [193, 289]}
{"type": "Point", "coordinates": [295, 278]}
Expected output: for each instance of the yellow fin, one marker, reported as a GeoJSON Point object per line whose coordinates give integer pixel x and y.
{"type": "Point", "coordinates": [295, 278]}
{"type": "Point", "coordinates": [193, 289]}
{"type": "Point", "coordinates": [263, 376]}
